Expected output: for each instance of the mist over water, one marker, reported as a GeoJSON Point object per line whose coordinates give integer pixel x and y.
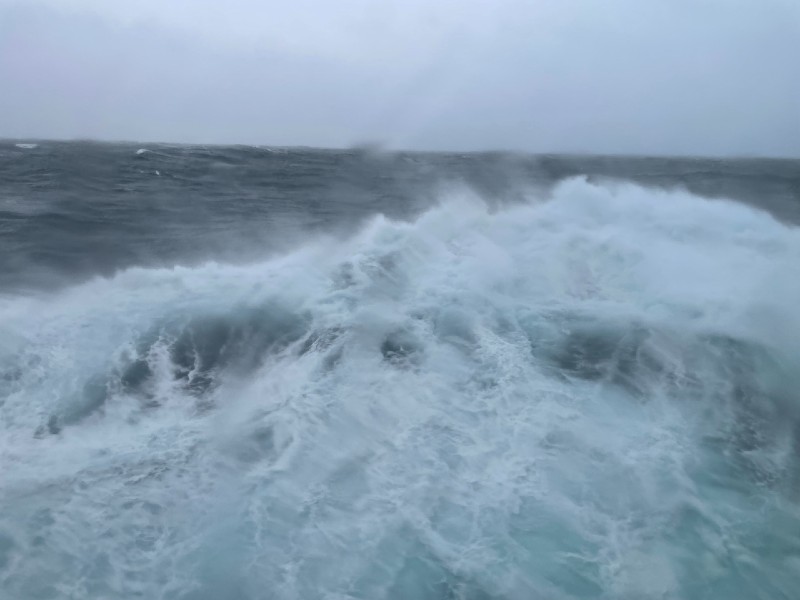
{"type": "Point", "coordinates": [264, 373]}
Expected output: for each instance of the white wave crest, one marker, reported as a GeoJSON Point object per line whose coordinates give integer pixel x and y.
{"type": "Point", "coordinates": [589, 396]}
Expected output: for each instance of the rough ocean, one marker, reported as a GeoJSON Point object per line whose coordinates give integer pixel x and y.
{"type": "Point", "coordinates": [234, 373]}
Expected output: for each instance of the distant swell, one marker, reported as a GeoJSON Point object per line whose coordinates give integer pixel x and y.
{"type": "Point", "coordinates": [593, 395]}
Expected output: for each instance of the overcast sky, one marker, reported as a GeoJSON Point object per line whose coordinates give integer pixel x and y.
{"type": "Point", "coordinates": [716, 77]}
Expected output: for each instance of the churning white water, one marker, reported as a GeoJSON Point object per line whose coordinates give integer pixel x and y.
{"type": "Point", "coordinates": [589, 396]}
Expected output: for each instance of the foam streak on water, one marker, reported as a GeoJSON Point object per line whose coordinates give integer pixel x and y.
{"type": "Point", "coordinates": [593, 396]}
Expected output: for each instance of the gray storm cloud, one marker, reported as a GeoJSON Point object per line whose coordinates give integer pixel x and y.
{"type": "Point", "coordinates": [665, 77]}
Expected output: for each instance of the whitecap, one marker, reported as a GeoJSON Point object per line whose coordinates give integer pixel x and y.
{"type": "Point", "coordinates": [542, 401]}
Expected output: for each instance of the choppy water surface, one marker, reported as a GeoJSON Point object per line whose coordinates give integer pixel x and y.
{"type": "Point", "coordinates": [265, 373]}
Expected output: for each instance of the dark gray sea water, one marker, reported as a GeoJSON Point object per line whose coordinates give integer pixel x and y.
{"type": "Point", "coordinates": [245, 373]}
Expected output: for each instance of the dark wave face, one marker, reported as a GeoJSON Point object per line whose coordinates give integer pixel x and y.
{"type": "Point", "coordinates": [73, 210]}
{"type": "Point", "coordinates": [255, 373]}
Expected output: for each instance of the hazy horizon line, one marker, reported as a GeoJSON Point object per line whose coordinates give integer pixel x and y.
{"type": "Point", "coordinates": [381, 149]}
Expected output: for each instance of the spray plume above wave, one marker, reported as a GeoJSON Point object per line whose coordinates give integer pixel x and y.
{"type": "Point", "coordinates": [592, 395]}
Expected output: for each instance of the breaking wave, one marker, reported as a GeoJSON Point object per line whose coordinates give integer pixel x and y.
{"type": "Point", "coordinates": [589, 396]}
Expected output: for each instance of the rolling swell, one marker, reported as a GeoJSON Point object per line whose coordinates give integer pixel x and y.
{"type": "Point", "coordinates": [589, 396]}
{"type": "Point", "coordinates": [73, 210]}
